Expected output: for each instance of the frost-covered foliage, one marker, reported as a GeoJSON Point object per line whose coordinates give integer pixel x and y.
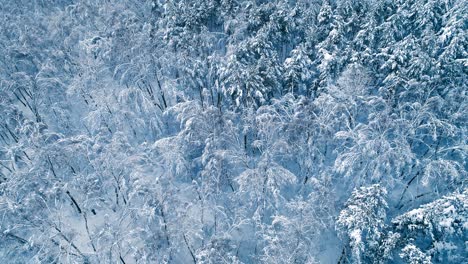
{"type": "Point", "coordinates": [233, 131]}
{"type": "Point", "coordinates": [439, 229]}
{"type": "Point", "coordinates": [362, 221]}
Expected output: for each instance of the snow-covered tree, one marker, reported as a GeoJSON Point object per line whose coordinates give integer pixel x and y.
{"type": "Point", "coordinates": [362, 223]}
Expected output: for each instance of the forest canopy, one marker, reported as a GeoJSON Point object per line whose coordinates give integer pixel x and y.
{"type": "Point", "coordinates": [233, 131]}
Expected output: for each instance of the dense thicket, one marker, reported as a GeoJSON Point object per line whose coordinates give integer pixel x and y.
{"type": "Point", "coordinates": [233, 131]}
